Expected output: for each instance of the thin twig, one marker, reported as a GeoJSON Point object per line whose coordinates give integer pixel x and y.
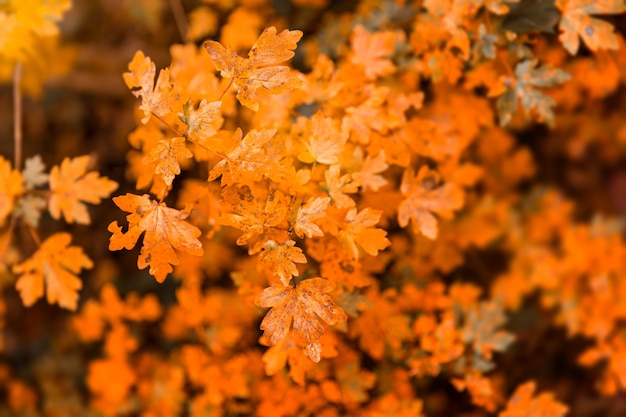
{"type": "Point", "coordinates": [34, 235]}
{"type": "Point", "coordinates": [225, 90]}
{"type": "Point", "coordinates": [180, 17]}
{"type": "Point", "coordinates": [9, 235]}
{"type": "Point", "coordinates": [17, 115]}
{"type": "Point", "coordinates": [184, 135]}
{"type": "Point", "coordinates": [169, 126]}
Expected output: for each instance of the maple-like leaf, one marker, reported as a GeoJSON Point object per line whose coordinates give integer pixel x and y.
{"type": "Point", "coordinates": [424, 199]}
{"type": "Point", "coordinates": [203, 122]}
{"type": "Point", "coordinates": [158, 99]}
{"type": "Point", "coordinates": [10, 188]}
{"type": "Point", "coordinates": [259, 70]}
{"type": "Point", "coordinates": [25, 24]}
{"type": "Point", "coordinates": [381, 326]}
{"type": "Point", "coordinates": [314, 208]}
{"type": "Point", "coordinates": [284, 256]}
{"type": "Point", "coordinates": [166, 155]}
{"type": "Point", "coordinates": [527, 77]}
{"type": "Point", "coordinates": [72, 186]}
{"type": "Point", "coordinates": [300, 305]}
{"type": "Point", "coordinates": [246, 160]}
{"type": "Point", "coordinates": [254, 217]}
{"type": "Point", "coordinates": [522, 403]}
{"type": "Point", "coordinates": [481, 329]}
{"type": "Point", "coordinates": [368, 176]}
{"type": "Point", "coordinates": [576, 22]}
{"type": "Point", "coordinates": [373, 51]}
{"type": "Point", "coordinates": [358, 229]}
{"type": "Point", "coordinates": [355, 382]}
{"type": "Point", "coordinates": [287, 351]}
{"type": "Point", "coordinates": [34, 172]}
{"type": "Point", "coordinates": [338, 186]}
{"type": "Point", "coordinates": [324, 140]}
{"type": "Point", "coordinates": [31, 206]}
{"type": "Point", "coordinates": [102, 371]}
{"type": "Point", "coordinates": [55, 264]}
{"type": "Point", "coordinates": [165, 232]}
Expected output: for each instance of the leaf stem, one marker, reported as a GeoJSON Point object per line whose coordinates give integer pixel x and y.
{"type": "Point", "coordinates": [184, 135]}
{"type": "Point", "coordinates": [169, 126]}
{"type": "Point", "coordinates": [9, 234]}
{"type": "Point", "coordinates": [17, 115]}
{"type": "Point", "coordinates": [34, 235]}
{"type": "Point", "coordinates": [225, 90]}
{"type": "Point", "coordinates": [180, 18]}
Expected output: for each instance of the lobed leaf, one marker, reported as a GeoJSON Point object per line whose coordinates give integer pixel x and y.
{"type": "Point", "coordinates": [166, 232]}
{"type": "Point", "coordinates": [299, 305]}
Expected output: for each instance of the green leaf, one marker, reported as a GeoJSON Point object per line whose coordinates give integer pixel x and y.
{"type": "Point", "coordinates": [532, 16]}
{"type": "Point", "coordinates": [527, 77]}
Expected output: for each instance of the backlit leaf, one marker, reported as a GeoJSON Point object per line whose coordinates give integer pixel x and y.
{"type": "Point", "coordinates": [166, 156]}
{"type": "Point", "coordinates": [307, 213]}
{"type": "Point", "coordinates": [284, 257]}
{"type": "Point", "coordinates": [10, 188]}
{"type": "Point", "coordinates": [54, 266]}
{"type": "Point", "coordinates": [577, 22]}
{"type": "Point", "coordinates": [72, 186]}
{"type": "Point", "coordinates": [259, 70]}
{"type": "Point", "coordinates": [424, 199]}
{"type": "Point", "coordinates": [157, 99]}
{"type": "Point", "coordinates": [166, 232]}
{"type": "Point", "coordinates": [299, 305]}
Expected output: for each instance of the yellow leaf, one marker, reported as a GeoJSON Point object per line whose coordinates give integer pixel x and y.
{"type": "Point", "coordinates": [312, 210]}
{"type": "Point", "coordinates": [165, 231]}
{"type": "Point", "coordinates": [10, 188]}
{"type": "Point", "coordinates": [72, 186]}
{"type": "Point", "coordinates": [166, 155]}
{"type": "Point", "coordinates": [55, 264]}
{"type": "Point", "coordinates": [259, 70]}
{"type": "Point", "coordinates": [157, 99]}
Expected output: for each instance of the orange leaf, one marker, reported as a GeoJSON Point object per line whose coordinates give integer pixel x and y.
{"type": "Point", "coordinates": [259, 70]}
{"type": "Point", "coordinates": [252, 215]}
{"type": "Point", "coordinates": [423, 199]}
{"type": "Point", "coordinates": [246, 160]}
{"type": "Point", "coordinates": [596, 33]}
{"type": "Point", "coordinates": [203, 122]}
{"type": "Point", "coordinates": [157, 99]}
{"type": "Point", "coordinates": [56, 264]}
{"type": "Point", "coordinates": [300, 305]}
{"type": "Point", "coordinates": [287, 351]}
{"type": "Point", "coordinates": [284, 256]}
{"type": "Point", "coordinates": [337, 186]}
{"type": "Point", "coordinates": [165, 231]}
{"type": "Point", "coordinates": [522, 403]}
{"type": "Point", "coordinates": [71, 185]}
{"type": "Point", "coordinates": [368, 176]}
{"type": "Point", "coordinates": [10, 187]}
{"type": "Point", "coordinates": [312, 210]}
{"type": "Point", "coordinates": [100, 374]}
{"type": "Point", "coordinates": [358, 229]}
{"type": "Point", "coordinates": [324, 140]}
{"type": "Point", "coordinates": [166, 155]}
{"type": "Point", "coordinates": [373, 51]}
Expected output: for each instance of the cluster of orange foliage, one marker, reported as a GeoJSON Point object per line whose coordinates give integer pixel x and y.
{"type": "Point", "coordinates": [339, 208]}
